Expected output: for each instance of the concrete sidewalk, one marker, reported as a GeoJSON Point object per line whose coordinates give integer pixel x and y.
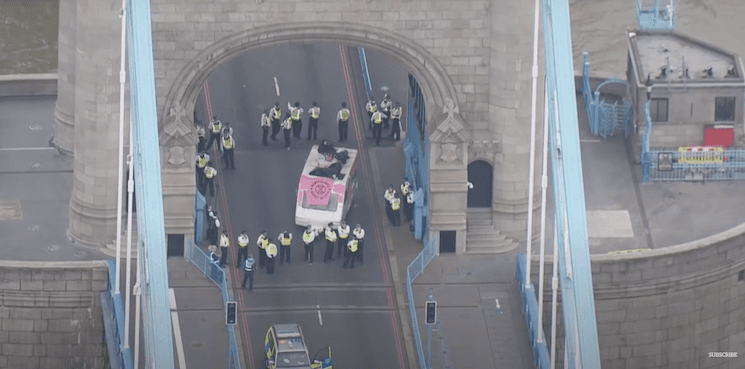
{"type": "Point", "coordinates": [471, 332]}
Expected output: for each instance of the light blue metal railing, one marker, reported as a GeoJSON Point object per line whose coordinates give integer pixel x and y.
{"type": "Point", "coordinates": [213, 271]}
{"type": "Point", "coordinates": [604, 118]}
{"type": "Point", "coordinates": [416, 154]}
{"type": "Point", "coordinates": [656, 15]}
{"type": "Point", "coordinates": [199, 205]}
{"type": "Point", "coordinates": [157, 331]}
{"type": "Point", "coordinates": [530, 310]}
{"type": "Point", "coordinates": [113, 319]}
{"type": "Point", "coordinates": [412, 271]}
{"type": "Point", "coordinates": [365, 72]}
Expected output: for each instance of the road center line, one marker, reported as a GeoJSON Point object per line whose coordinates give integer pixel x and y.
{"type": "Point", "coordinates": [320, 319]}
{"type": "Point", "coordinates": [176, 330]}
{"type": "Point", "coordinates": [276, 86]}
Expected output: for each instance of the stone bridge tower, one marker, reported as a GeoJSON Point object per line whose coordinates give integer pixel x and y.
{"type": "Point", "coordinates": [472, 59]}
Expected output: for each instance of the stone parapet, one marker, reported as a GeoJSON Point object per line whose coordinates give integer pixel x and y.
{"type": "Point", "coordinates": [28, 85]}
{"type": "Point", "coordinates": [669, 308]}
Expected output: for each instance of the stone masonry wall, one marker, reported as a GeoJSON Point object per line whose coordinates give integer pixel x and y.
{"type": "Point", "coordinates": [668, 308]}
{"type": "Point", "coordinates": [50, 314]}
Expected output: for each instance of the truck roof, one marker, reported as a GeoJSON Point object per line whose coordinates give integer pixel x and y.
{"type": "Point", "coordinates": [316, 160]}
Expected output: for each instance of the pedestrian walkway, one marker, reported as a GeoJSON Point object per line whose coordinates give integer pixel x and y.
{"type": "Point", "coordinates": [467, 289]}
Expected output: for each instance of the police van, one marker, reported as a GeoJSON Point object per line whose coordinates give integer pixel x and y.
{"type": "Point", "coordinates": [327, 186]}
{"type": "Point", "coordinates": [285, 347]}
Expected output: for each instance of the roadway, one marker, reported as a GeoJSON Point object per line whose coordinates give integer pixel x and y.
{"type": "Point", "coordinates": [352, 310]}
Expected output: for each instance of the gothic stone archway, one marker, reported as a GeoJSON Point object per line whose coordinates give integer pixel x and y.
{"type": "Point", "coordinates": [480, 174]}
{"type": "Point", "coordinates": [451, 132]}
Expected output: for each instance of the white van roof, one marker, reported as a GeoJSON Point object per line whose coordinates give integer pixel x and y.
{"type": "Point", "coordinates": [316, 160]}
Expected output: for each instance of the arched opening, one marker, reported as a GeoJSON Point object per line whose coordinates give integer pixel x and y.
{"type": "Point", "coordinates": [480, 175]}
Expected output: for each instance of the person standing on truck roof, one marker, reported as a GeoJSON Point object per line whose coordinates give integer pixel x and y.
{"type": "Point", "coordinates": [314, 112]}
{"type": "Point", "coordinates": [286, 129]}
{"type": "Point", "coordinates": [342, 117]}
{"type": "Point", "coordinates": [351, 252]}
{"type": "Point", "coordinates": [262, 242]}
{"type": "Point", "coordinates": [266, 122]}
{"type": "Point", "coordinates": [309, 236]}
{"type": "Point", "coordinates": [271, 254]}
{"type": "Point", "coordinates": [215, 129]}
{"type": "Point", "coordinates": [285, 241]}
{"type": "Point", "coordinates": [377, 122]}
{"type": "Point", "coordinates": [249, 268]}
{"type": "Point", "coordinates": [359, 234]}
{"type": "Point", "coordinates": [297, 122]}
{"type": "Point", "coordinates": [343, 232]}
{"type": "Point", "coordinates": [276, 115]}
{"type": "Point", "coordinates": [330, 240]}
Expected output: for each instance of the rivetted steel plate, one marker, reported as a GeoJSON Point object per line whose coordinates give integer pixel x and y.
{"type": "Point", "coordinates": [10, 210]}
{"type": "Point", "coordinates": [609, 224]}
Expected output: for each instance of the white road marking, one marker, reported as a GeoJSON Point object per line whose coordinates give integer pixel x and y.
{"type": "Point", "coordinates": [590, 141]}
{"type": "Point", "coordinates": [176, 330]}
{"type": "Point", "coordinates": [25, 148]}
{"type": "Point", "coordinates": [497, 301]}
{"type": "Point", "coordinates": [276, 86]}
{"type": "Point", "coordinates": [320, 320]}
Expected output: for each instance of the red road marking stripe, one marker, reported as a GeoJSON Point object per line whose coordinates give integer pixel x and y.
{"type": "Point", "coordinates": [357, 130]}
{"type": "Point", "coordinates": [231, 254]}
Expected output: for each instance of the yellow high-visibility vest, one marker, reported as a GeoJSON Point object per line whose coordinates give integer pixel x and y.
{"type": "Point", "coordinates": [227, 143]}
{"type": "Point", "coordinates": [209, 172]}
{"type": "Point", "coordinates": [285, 241]}
{"type": "Point", "coordinates": [295, 114]}
{"type": "Point", "coordinates": [315, 112]}
{"type": "Point", "coordinates": [277, 113]}
{"type": "Point", "coordinates": [271, 250]}
{"type": "Point", "coordinates": [308, 237]}
{"type": "Point", "coordinates": [202, 161]}
{"type": "Point", "coordinates": [352, 245]}
{"type": "Point", "coordinates": [395, 204]}
{"type": "Point", "coordinates": [377, 118]}
{"type": "Point", "coordinates": [343, 232]}
{"type": "Point", "coordinates": [242, 240]}
{"type": "Point", "coordinates": [216, 127]}
{"type": "Point", "coordinates": [344, 114]}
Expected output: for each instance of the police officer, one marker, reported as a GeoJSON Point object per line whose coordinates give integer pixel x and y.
{"type": "Point", "coordinates": [343, 233]}
{"type": "Point", "coordinates": [285, 241]}
{"type": "Point", "coordinates": [359, 234]}
{"type": "Point", "coordinates": [297, 123]}
{"type": "Point", "coordinates": [309, 236]}
{"type": "Point", "coordinates": [377, 123]}
{"type": "Point", "coordinates": [248, 272]}
{"type": "Point", "coordinates": [396, 125]}
{"type": "Point", "coordinates": [388, 196]}
{"type": "Point", "coordinates": [265, 124]}
{"type": "Point", "coordinates": [405, 187]}
{"type": "Point", "coordinates": [224, 244]}
{"type": "Point", "coordinates": [214, 254]}
{"type": "Point", "coordinates": [330, 240]}
{"type": "Point", "coordinates": [286, 128]}
{"type": "Point", "coordinates": [242, 247]}
{"type": "Point", "coordinates": [202, 136]}
{"type": "Point", "coordinates": [201, 162]}
{"type": "Point", "coordinates": [209, 176]}
{"type": "Point", "coordinates": [343, 118]}
{"type": "Point", "coordinates": [227, 151]}
{"type": "Point", "coordinates": [215, 130]}
{"type": "Point", "coordinates": [409, 206]}
{"type": "Point", "coordinates": [395, 213]}
{"type": "Point", "coordinates": [314, 112]}
{"type": "Point", "coordinates": [371, 108]}
{"type": "Point", "coordinates": [262, 242]}
{"type": "Point", "coordinates": [351, 253]}
{"type": "Point", "coordinates": [213, 225]}
{"type": "Point", "coordinates": [276, 115]}
{"type": "Point", "coordinates": [271, 254]}
{"type": "Point", "coordinates": [385, 107]}
{"type": "Point", "coordinates": [227, 130]}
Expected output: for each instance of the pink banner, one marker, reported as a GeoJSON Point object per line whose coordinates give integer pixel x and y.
{"type": "Point", "coordinates": [318, 190]}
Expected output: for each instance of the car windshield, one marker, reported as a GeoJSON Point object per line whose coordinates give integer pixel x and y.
{"type": "Point", "coordinates": [330, 206]}
{"type": "Point", "coordinates": [292, 359]}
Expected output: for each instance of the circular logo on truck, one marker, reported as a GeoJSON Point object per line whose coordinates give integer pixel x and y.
{"type": "Point", "coordinates": [320, 189]}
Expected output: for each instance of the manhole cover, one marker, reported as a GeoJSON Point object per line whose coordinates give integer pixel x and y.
{"type": "Point", "coordinates": [35, 127]}
{"type": "Point", "coordinates": [53, 247]}
{"type": "Point", "coordinates": [36, 165]}
{"type": "Point", "coordinates": [34, 227]}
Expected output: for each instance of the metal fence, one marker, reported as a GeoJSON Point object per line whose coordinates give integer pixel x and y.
{"type": "Point", "coordinates": [412, 271]}
{"type": "Point", "coordinates": [365, 72]}
{"type": "Point", "coordinates": [199, 205]}
{"type": "Point", "coordinates": [655, 15]}
{"type": "Point", "coordinates": [688, 164]}
{"type": "Point", "coordinates": [604, 118]}
{"type": "Point", "coordinates": [213, 271]}
{"type": "Point", "coordinates": [113, 321]}
{"type": "Point", "coordinates": [530, 309]}
{"type": "Point", "coordinates": [416, 153]}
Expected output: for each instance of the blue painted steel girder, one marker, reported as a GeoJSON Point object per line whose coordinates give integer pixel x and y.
{"type": "Point", "coordinates": [578, 304]}
{"type": "Point", "coordinates": [150, 225]}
